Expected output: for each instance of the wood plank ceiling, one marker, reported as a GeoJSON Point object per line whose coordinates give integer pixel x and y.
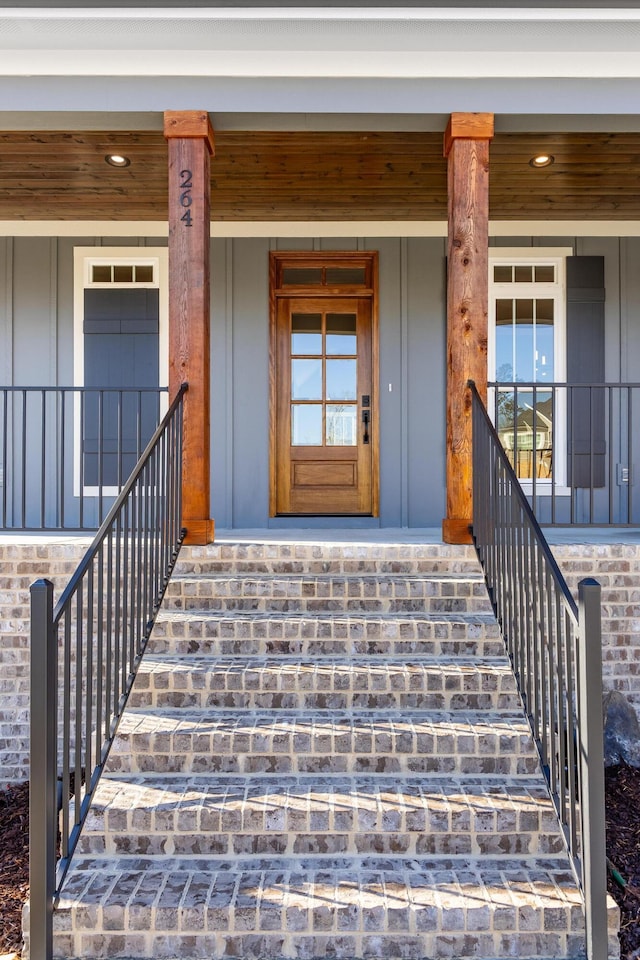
{"type": "Point", "coordinates": [316, 176]}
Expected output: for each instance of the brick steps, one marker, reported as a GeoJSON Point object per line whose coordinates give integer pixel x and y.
{"type": "Point", "coordinates": [279, 741]}
{"type": "Point", "coordinates": [319, 634]}
{"type": "Point", "coordinates": [324, 756]}
{"type": "Point", "coordinates": [289, 683]}
{"type": "Point", "coordinates": [338, 907]}
{"type": "Point", "coordinates": [213, 816]}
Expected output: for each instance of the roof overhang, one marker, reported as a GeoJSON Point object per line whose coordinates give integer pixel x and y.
{"type": "Point", "coordinates": [321, 42]}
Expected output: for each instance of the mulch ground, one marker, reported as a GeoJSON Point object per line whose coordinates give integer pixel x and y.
{"type": "Point", "coordinates": [623, 849]}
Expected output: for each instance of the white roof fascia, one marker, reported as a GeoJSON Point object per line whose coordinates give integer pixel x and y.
{"type": "Point", "coordinates": [386, 42]}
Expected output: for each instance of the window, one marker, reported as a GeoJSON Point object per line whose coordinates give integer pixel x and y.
{"type": "Point", "coordinates": [527, 357]}
{"type": "Point", "coordinates": [120, 357]}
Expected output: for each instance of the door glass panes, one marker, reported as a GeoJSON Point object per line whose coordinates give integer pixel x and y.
{"type": "Point", "coordinates": [306, 379]}
{"type": "Point", "coordinates": [324, 379]}
{"type": "Point", "coordinates": [341, 334]}
{"type": "Point", "coordinates": [341, 380]}
{"type": "Point", "coordinates": [341, 425]}
{"type": "Point", "coordinates": [306, 424]}
{"type": "Point", "coordinates": [306, 333]}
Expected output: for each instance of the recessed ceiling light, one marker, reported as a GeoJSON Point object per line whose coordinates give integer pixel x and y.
{"type": "Point", "coordinates": [117, 160]}
{"type": "Point", "coordinates": [542, 160]}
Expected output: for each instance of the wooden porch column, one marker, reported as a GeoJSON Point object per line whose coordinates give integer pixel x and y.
{"type": "Point", "coordinates": [466, 144]}
{"type": "Point", "coordinates": [190, 146]}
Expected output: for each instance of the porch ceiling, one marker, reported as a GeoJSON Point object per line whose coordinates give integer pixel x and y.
{"type": "Point", "coordinates": [317, 176]}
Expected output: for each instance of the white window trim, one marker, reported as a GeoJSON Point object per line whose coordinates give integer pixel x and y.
{"type": "Point", "coordinates": [540, 256]}
{"type": "Point", "coordinates": [83, 259]}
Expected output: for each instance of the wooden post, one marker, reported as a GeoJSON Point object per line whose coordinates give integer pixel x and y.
{"type": "Point", "coordinates": [190, 146]}
{"type": "Point", "coordinates": [466, 144]}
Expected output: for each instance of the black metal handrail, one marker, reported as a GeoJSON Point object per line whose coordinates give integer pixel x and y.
{"type": "Point", "coordinates": [575, 448]}
{"type": "Point", "coordinates": [65, 452]}
{"type": "Point", "coordinates": [555, 651]}
{"type": "Point", "coordinates": [85, 655]}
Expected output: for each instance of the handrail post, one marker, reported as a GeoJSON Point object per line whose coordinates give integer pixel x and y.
{"type": "Point", "coordinates": [594, 878]}
{"type": "Point", "coordinates": [43, 767]}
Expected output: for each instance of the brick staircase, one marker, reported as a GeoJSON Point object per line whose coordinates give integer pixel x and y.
{"type": "Point", "coordinates": [325, 756]}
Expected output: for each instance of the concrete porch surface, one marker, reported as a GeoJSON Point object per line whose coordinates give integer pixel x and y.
{"type": "Point", "coordinates": [389, 535]}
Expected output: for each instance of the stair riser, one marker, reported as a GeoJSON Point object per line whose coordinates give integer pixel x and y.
{"type": "Point", "coordinates": [283, 750]}
{"type": "Point", "coordinates": [327, 588]}
{"type": "Point", "coordinates": [307, 844]}
{"type": "Point", "coordinates": [327, 648]}
{"type": "Point", "coordinates": [273, 684]}
{"type": "Point", "coordinates": [170, 945]}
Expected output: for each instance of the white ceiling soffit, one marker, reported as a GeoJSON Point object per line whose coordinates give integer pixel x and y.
{"type": "Point", "coordinates": [363, 42]}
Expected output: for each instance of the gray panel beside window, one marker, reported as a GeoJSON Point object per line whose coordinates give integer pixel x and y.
{"type": "Point", "coordinates": [585, 364]}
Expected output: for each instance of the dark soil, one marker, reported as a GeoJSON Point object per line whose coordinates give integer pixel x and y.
{"type": "Point", "coordinates": [14, 864]}
{"type": "Point", "coordinates": [623, 849]}
{"type": "Point", "coordinates": [622, 790]}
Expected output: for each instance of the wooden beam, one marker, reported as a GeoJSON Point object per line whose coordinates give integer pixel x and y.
{"type": "Point", "coordinates": [190, 145]}
{"type": "Point", "coordinates": [467, 148]}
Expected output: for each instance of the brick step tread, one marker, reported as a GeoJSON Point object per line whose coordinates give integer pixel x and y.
{"type": "Point", "coordinates": [306, 580]}
{"type": "Point", "coordinates": [304, 816]}
{"type": "Point", "coordinates": [349, 907]}
{"type": "Point", "coordinates": [340, 605]}
{"type": "Point", "coordinates": [334, 742]}
{"type": "Point", "coordinates": [411, 623]}
{"type": "Point", "coordinates": [369, 682]}
{"type": "Point", "coordinates": [312, 549]}
{"type": "Point", "coordinates": [342, 565]}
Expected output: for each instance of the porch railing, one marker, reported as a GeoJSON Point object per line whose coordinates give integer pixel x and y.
{"type": "Point", "coordinates": [65, 452]}
{"type": "Point", "coordinates": [555, 650]}
{"type": "Point", "coordinates": [85, 655]}
{"type": "Point", "coordinates": [575, 448]}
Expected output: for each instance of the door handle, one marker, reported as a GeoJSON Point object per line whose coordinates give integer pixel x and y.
{"type": "Point", "coordinates": [366, 418]}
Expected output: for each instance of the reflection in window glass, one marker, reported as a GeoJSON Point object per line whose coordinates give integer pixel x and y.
{"type": "Point", "coordinates": [341, 425]}
{"type": "Point", "coordinates": [306, 425]}
{"type": "Point", "coordinates": [341, 333]}
{"type": "Point", "coordinates": [341, 380]}
{"type": "Point", "coordinates": [524, 340]}
{"type": "Point", "coordinates": [306, 333]}
{"type": "Point", "coordinates": [306, 379]}
{"type": "Point", "coordinates": [525, 428]}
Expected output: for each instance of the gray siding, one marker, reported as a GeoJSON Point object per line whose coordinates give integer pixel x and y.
{"type": "Point", "coordinates": [36, 343]}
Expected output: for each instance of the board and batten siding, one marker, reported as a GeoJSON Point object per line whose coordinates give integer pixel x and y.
{"type": "Point", "coordinates": [36, 348]}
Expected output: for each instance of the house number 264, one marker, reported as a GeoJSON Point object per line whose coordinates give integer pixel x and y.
{"type": "Point", "coordinates": [186, 186]}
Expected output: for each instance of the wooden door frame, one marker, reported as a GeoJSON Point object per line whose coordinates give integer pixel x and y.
{"type": "Point", "coordinates": [297, 258]}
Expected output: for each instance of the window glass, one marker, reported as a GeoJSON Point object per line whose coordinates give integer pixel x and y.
{"type": "Point", "coordinates": [306, 379]}
{"type": "Point", "coordinates": [306, 333]}
{"type": "Point", "coordinates": [306, 424]}
{"type": "Point", "coordinates": [341, 333]}
{"type": "Point", "coordinates": [341, 425]}
{"type": "Point", "coordinates": [341, 380]}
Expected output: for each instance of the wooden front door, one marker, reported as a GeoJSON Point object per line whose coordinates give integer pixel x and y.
{"type": "Point", "coordinates": [324, 414]}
